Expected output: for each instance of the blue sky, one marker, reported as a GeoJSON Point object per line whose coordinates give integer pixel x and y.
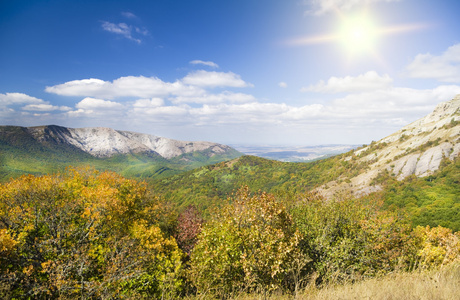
{"type": "Point", "coordinates": [255, 72]}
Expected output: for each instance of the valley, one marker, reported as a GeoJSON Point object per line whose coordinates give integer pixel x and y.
{"type": "Point", "coordinates": [294, 153]}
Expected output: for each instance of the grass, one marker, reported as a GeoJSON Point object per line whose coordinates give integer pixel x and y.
{"type": "Point", "coordinates": [441, 284]}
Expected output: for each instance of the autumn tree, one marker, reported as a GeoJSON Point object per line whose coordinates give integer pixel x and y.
{"type": "Point", "coordinates": [436, 246]}
{"type": "Point", "coordinates": [83, 234]}
{"type": "Point", "coordinates": [188, 227]}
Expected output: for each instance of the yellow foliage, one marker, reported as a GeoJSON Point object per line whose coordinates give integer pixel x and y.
{"type": "Point", "coordinates": [84, 232]}
{"type": "Point", "coordinates": [437, 246]}
{"type": "Point", "coordinates": [7, 243]}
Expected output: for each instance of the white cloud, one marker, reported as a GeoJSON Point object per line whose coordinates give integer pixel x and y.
{"type": "Point", "coordinates": [320, 7]}
{"type": "Point", "coordinates": [148, 103]}
{"type": "Point", "coordinates": [206, 63]}
{"type": "Point", "coordinates": [129, 86]}
{"type": "Point", "coordinates": [282, 84]}
{"type": "Point", "coordinates": [225, 96]}
{"type": "Point", "coordinates": [18, 98]}
{"type": "Point", "coordinates": [384, 105]}
{"type": "Point", "coordinates": [445, 67]}
{"type": "Point", "coordinates": [166, 115]}
{"type": "Point", "coordinates": [92, 103]}
{"type": "Point", "coordinates": [98, 107]}
{"type": "Point", "coordinates": [369, 81]}
{"type": "Point", "coordinates": [128, 15]}
{"type": "Point", "coordinates": [192, 85]}
{"type": "Point", "coordinates": [214, 79]}
{"type": "Point", "coordinates": [125, 30]}
{"type": "Point", "coordinates": [31, 103]}
{"type": "Point", "coordinates": [45, 107]}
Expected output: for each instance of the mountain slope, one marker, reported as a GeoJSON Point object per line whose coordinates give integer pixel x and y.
{"type": "Point", "coordinates": [427, 142]}
{"type": "Point", "coordinates": [416, 149]}
{"type": "Point", "coordinates": [45, 149]}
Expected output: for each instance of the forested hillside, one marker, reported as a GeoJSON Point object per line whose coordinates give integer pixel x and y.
{"type": "Point", "coordinates": [214, 183]}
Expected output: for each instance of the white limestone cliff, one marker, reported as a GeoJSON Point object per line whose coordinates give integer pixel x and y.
{"type": "Point", "coordinates": [106, 142]}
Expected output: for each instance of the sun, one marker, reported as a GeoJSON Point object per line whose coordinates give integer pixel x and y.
{"type": "Point", "coordinates": [357, 33]}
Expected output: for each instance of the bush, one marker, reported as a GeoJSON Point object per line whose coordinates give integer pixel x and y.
{"type": "Point", "coordinates": [249, 246]}
{"type": "Point", "coordinates": [436, 246]}
{"type": "Point", "coordinates": [347, 239]}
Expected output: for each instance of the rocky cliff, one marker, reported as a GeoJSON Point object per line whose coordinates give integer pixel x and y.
{"type": "Point", "coordinates": [106, 142]}
{"type": "Point", "coordinates": [417, 149]}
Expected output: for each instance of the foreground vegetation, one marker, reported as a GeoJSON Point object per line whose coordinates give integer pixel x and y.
{"type": "Point", "coordinates": [88, 234]}
{"type": "Point", "coordinates": [441, 283]}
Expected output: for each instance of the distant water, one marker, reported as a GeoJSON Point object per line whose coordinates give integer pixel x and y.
{"type": "Point", "coordinates": [294, 153]}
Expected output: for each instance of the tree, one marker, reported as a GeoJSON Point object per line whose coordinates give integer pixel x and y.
{"type": "Point", "coordinates": [188, 228]}
{"type": "Point", "coordinates": [436, 246]}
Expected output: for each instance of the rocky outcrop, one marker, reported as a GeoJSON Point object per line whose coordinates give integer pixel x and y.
{"type": "Point", "coordinates": [417, 149]}
{"type": "Point", "coordinates": [106, 142]}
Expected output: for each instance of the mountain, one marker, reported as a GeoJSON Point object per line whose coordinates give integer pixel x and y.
{"type": "Point", "coordinates": [419, 149]}
{"type": "Point", "coordinates": [107, 142]}
{"type": "Point", "coordinates": [42, 149]}
{"type": "Point", "coordinates": [416, 149]}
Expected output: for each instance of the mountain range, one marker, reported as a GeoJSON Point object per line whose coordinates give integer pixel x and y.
{"type": "Point", "coordinates": [107, 142]}
{"type": "Point", "coordinates": [42, 149]}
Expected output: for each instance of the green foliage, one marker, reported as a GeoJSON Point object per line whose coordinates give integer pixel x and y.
{"type": "Point", "coordinates": [432, 200]}
{"type": "Point", "coordinates": [84, 234]}
{"type": "Point", "coordinates": [248, 246]}
{"type": "Point", "coordinates": [210, 185]}
{"type": "Point", "coordinates": [347, 239]}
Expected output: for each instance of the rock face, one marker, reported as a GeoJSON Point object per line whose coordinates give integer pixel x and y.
{"type": "Point", "coordinates": [417, 149]}
{"type": "Point", "coordinates": [106, 142]}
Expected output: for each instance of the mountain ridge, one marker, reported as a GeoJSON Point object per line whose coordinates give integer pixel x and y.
{"type": "Point", "coordinates": [106, 142]}
{"type": "Point", "coordinates": [416, 149]}
{"type": "Point", "coordinates": [47, 149]}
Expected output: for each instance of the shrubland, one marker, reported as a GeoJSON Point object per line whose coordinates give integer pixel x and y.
{"type": "Point", "coordinates": [88, 234]}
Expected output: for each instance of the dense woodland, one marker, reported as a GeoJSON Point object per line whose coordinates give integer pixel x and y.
{"type": "Point", "coordinates": [83, 233]}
